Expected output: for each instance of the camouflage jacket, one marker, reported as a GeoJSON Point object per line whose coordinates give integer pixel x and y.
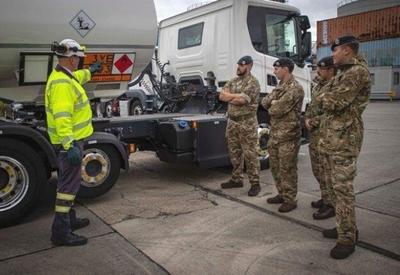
{"type": "Point", "coordinates": [249, 88]}
{"type": "Point", "coordinates": [314, 109]}
{"type": "Point", "coordinates": [284, 107]}
{"type": "Point", "coordinates": [343, 102]}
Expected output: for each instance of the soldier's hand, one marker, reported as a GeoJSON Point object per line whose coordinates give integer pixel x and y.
{"type": "Point", "coordinates": [273, 102]}
{"type": "Point", "coordinates": [95, 67]}
{"type": "Point", "coordinates": [307, 123]}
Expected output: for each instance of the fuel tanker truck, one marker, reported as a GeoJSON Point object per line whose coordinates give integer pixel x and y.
{"type": "Point", "coordinates": [120, 34]}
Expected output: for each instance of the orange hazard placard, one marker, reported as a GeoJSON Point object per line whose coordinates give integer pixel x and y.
{"type": "Point", "coordinates": [115, 66]}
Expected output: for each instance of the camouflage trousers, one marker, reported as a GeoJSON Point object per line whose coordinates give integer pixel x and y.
{"type": "Point", "coordinates": [318, 169]}
{"type": "Point", "coordinates": [283, 163]}
{"type": "Point", "coordinates": [242, 141]}
{"type": "Point", "coordinates": [340, 173]}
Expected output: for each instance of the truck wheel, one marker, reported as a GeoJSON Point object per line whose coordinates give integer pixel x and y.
{"type": "Point", "coordinates": [108, 113]}
{"type": "Point", "coordinates": [263, 155]}
{"type": "Point", "coordinates": [99, 109]}
{"type": "Point", "coordinates": [101, 165]}
{"type": "Point", "coordinates": [21, 175]}
{"type": "Point", "coordinates": [136, 108]}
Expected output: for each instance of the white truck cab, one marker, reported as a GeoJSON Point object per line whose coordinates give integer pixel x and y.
{"type": "Point", "coordinates": [212, 37]}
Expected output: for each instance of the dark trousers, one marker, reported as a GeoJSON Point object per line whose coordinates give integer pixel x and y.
{"type": "Point", "coordinates": [69, 180]}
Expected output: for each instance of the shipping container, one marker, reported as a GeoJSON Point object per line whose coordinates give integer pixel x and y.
{"type": "Point", "coordinates": [367, 26]}
{"type": "Point", "coordinates": [385, 52]}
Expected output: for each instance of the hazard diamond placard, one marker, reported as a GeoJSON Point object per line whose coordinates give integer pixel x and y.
{"type": "Point", "coordinates": [115, 66]}
{"type": "Point", "coordinates": [123, 63]}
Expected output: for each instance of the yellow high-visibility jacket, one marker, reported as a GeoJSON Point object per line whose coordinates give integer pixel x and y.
{"type": "Point", "coordinates": [69, 116]}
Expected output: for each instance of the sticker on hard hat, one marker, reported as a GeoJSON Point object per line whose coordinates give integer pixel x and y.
{"type": "Point", "coordinates": [115, 66]}
{"type": "Point", "coordinates": [82, 23]}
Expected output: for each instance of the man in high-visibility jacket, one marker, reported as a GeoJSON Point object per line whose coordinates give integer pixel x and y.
{"type": "Point", "coordinates": [69, 122]}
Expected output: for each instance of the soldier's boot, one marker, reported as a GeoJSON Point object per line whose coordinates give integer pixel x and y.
{"type": "Point", "coordinates": [325, 212]}
{"type": "Point", "coordinates": [77, 223]}
{"type": "Point", "coordinates": [69, 239]}
{"type": "Point", "coordinates": [317, 204]}
{"type": "Point", "coordinates": [232, 184]}
{"type": "Point", "coordinates": [254, 190]}
{"type": "Point", "coordinates": [342, 251]}
{"type": "Point", "coordinates": [287, 207]}
{"type": "Point", "coordinates": [274, 200]}
{"type": "Point", "coordinates": [332, 234]}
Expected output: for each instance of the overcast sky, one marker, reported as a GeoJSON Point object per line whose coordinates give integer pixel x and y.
{"type": "Point", "coordinates": [315, 9]}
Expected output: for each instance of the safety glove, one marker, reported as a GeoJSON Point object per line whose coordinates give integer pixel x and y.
{"type": "Point", "coordinates": [95, 67]}
{"type": "Point", "coordinates": [74, 156]}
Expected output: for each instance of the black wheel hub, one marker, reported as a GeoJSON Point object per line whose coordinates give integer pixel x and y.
{"type": "Point", "coordinates": [263, 142]}
{"type": "Point", "coordinates": [4, 178]}
{"type": "Point", "coordinates": [93, 168]}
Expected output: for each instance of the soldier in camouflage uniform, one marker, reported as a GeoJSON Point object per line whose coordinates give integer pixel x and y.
{"type": "Point", "coordinates": [326, 71]}
{"type": "Point", "coordinates": [284, 108]}
{"type": "Point", "coordinates": [343, 103]}
{"type": "Point", "coordinates": [242, 93]}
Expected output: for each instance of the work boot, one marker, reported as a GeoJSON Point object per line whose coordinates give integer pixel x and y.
{"type": "Point", "coordinates": [277, 199]}
{"type": "Point", "coordinates": [317, 204]}
{"type": "Point", "coordinates": [70, 239]}
{"type": "Point", "coordinates": [254, 190]}
{"type": "Point", "coordinates": [325, 212]}
{"type": "Point", "coordinates": [342, 251]}
{"type": "Point", "coordinates": [287, 207]}
{"type": "Point", "coordinates": [231, 184]}
{"type": "Point", "coordinates": [332, 233]}
{"type": "Point", "coordinates": [77, 223]}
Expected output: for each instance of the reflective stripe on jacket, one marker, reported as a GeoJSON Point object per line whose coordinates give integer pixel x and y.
{"type": "Point", "coordinates": [69, 116]}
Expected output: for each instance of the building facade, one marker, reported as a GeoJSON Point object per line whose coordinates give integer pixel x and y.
{"type": "Point", "coordinates": [376, 24]}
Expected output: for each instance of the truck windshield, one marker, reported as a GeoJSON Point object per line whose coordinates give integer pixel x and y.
{"type": "Point", "coordinates": [272, 32]}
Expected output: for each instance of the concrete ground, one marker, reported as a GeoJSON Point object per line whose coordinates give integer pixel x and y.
{"type": "Point", "coordinates": [163, 218]}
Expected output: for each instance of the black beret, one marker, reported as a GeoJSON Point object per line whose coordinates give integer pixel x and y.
{"type": "Point", "coordinates": [347, 39]}
{"type": "Point", "coordinates": [284, 62]}
{"type": "Point", "coordinates": [245, 60]}
{"type": "Point", "coordinates": [326, 62]}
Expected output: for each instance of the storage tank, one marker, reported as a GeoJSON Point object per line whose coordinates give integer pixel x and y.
{"type": "Point", "coordinates": [121, 34]}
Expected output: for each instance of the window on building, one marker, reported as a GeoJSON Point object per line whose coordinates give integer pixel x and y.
{"type": "Point", "coordinates": [396, 78]}
{"type": "Point", "coordinates": [190, 36]}
{"type": "Point", "coordinates": [372, 79]}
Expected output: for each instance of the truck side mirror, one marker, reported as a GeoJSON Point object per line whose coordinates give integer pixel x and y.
{"type": "Point", "coordinates": [305, 45]}
{"type": "Point", "coordinates": [304, 22]}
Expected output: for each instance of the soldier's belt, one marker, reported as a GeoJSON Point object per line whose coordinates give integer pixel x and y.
{"type": "Point", "coordinates": [241, 118]}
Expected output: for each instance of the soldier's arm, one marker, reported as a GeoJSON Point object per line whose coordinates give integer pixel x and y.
{"type": "Point", "coordinates": [266, 101]}
{"type": "Point", "coordinates": [225, 94]}
{"type": "Point", "coordinates": [280, 107]}
{"type": "Point", "coordinates": [340, 96]}
{"type": "Point", "coordinates": [251, 92]}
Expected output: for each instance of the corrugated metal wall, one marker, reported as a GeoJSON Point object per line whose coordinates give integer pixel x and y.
{"type": "Point", "coordinates": [385, 52]}
{"type": "Point", "coordinates": [367, 26]}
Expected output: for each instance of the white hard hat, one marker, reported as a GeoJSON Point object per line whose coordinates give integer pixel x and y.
{"type": "Point", "coordinates": [71, 48]}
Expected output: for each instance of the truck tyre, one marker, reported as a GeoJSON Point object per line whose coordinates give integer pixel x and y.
{"type": "Point", "coordinates": [108, 112]}
{"type": "Point", "coordinates": [22, 173]}
{"type": "Point", "coordinates": [101, 166]}
{"type": "Point", "coordinates": [98, 106]}
{"type": "Point", "coordinates": [263, 155]}
{"type": "Point", "coordinates": [136, 108]}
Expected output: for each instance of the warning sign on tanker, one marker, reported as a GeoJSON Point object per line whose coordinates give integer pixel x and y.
{"type": "Point", "coordinates": [115, 66]}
